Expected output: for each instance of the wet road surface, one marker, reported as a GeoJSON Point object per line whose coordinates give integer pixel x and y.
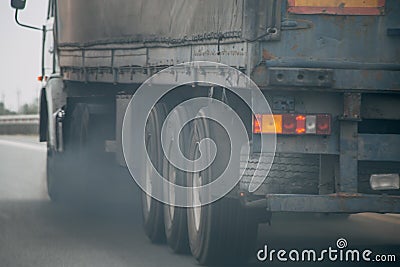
{"type": "Point", "coordinates": [36, 232]}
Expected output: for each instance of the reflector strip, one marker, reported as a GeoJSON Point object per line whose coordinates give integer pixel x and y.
{"type": "Point", "coordinates": [337, 7]}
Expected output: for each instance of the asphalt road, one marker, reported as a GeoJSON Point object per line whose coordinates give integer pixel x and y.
{"type": "Point", "coordinates": [35, 232]}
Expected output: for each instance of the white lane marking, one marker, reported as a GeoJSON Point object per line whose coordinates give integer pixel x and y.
{"type": "Point", "coordinates": [19, 144]}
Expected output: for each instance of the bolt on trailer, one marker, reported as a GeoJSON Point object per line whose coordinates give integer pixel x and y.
{"type": "Point", "coordinates": [328, 69]}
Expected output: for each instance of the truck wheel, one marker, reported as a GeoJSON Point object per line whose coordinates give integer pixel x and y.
{"type": "Point", "coordinates": [152, 209]}
{"type": "Point", "coordinates": [54, 175]}
{"type": "Point", "coordinates": [73, 175]}
{"type": "Point", "coordinates": [221, 232]}
{"type": "Point", "coordinates": [79, 157]}
{"type": "Point", "coordinates": [175, 219]}
{"type": "Point", "coordinates": [64, 168]}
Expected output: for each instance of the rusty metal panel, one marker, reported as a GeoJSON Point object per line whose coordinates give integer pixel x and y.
{"type": "Point", "coordinates": [341, 203]}
{"type": "Point", "coordinates": [380, 106]}
{"type": "Point", "coordinates": [300, 77]}
{"type": "Point", "coordinates": [307, 144]}
{"type": "Point", "coordinates": [339, 42]}
{"type": "Point", "coordinates": [262, 20]}
{"type": "Point", "coordinates": [379, 147]}
{"type": "Point", "coordinates": [348, 146]}
{"type": "Point", "coordinates": [352, 107]}
{"type": "Point", "coordinates": [358, 49]}
{"type": "Point", "coordinates": [337, 7]}
{"type": "Point", "coordinates": [347, 181]}
{"type": "Point", "coordinates": [344, 78]}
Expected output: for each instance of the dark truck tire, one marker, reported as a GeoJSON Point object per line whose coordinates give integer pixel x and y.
{"type": "Point", "coordinates": [175, 218]}
{"type": "Point", "coordinates": [221, 232]}
{"type": "Point", "coordinates": [75, 174]}
{"type": "Point", "coordinates": [55, 175]}
{"type": "Point", "coordinates": [66, 169]}
{"type": "Point", "coordinates": [152, 209]}
{"type": "Point", "coordinates": [289, 174]}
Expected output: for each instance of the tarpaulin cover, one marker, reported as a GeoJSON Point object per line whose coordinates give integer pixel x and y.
{"type": "Point", "coordinates": [83, 22]}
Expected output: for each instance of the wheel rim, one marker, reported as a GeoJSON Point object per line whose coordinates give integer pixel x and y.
{"type": "Point", "coordinates": [196, 201]}
{"type": "Point", "coordinates": [148, 185]}
{"type": "Point", "coordinates": [171, 190]}
{"type": "Point", "coordinates": [148, 188]}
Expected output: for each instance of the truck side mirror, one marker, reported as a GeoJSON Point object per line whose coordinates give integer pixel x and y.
{"type": "Point", "coordinates": [18, 4]}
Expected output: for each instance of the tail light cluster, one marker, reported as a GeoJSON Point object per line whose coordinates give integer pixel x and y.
{"type": "Point", "coordinates": [292, 124]}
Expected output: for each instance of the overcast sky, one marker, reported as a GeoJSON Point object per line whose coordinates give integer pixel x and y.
{"type": "Point", "coordinates": [20, 52]}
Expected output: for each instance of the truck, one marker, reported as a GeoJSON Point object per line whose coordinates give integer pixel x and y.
{"type": "Point", "coordinates": [330, 71]}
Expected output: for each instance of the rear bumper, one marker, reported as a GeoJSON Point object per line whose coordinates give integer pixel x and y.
{"type": "Point", "coordinates": [331, 203]}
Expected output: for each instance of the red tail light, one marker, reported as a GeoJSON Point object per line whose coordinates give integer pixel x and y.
{"type": "Point", "coordinates": [301, 124]}
{"type": "Point", "coordinates": [292, 124]}
{"type": "Point", "coordinates": [257, 123]}
{"type": "Point", "coordinates": [323, 124]}
{"type": "Point", "coordinates": [289, 124]}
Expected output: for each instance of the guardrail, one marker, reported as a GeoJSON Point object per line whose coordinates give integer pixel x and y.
{"type": "Point", "coordinates": [19, 124]}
